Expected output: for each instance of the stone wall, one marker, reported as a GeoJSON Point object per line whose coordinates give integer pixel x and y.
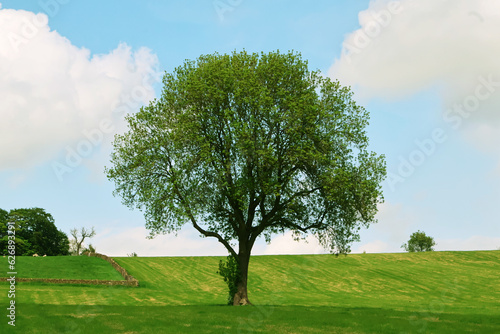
{"type": "Point", "coordinates": [74, 281]}
{"type": "Point", "coordinates": [126, 276]}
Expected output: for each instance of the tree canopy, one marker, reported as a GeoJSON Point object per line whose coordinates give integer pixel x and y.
{"type": "Point", "coordinates": [35, 232]}
{"type": "Point", "coordinates": [419, 242]}
{"type": "Point", "coordinates": [248, 145]}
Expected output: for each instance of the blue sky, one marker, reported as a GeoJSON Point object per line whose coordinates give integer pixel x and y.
{"type": "Point", "coordinates": [427, 71]}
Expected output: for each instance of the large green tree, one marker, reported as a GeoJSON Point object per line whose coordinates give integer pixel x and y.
{"type": "Point", "coordinates": [248, 145]}
{"type": "Point", "coordinates": [35, 232]}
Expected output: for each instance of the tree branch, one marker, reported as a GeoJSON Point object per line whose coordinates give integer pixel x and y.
{"type": "Point", "coordinates": [300, 228]}
{"type": "Point", "coordinates": [279, 206]}
{"type": "Point", "coordinates": [213, 234]}
{"type": "Point", "coordinates": [198, 228]}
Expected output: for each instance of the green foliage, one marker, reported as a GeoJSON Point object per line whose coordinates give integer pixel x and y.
{"type": "Point", "coordinates": [35, 232]}
{"type": "Point", "coordinates": [229, 270]}
{"type": "Point", "coordinates": [89, 249]}
{"type": "Point", "coordinates": [3, 215]}
{"type": "Point", "coordinates": [419, 242]}
{"type": "Point", "coordinates": [242, 146]}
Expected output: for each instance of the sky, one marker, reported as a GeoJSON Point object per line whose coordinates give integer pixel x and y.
{"type": "Point", "coordinates": [427, 71]}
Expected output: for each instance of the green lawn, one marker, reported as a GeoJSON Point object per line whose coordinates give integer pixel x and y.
{"type": "Point", "coordinates": [437, 292]}
{"type": "Point", "coordinates": [69, 267]}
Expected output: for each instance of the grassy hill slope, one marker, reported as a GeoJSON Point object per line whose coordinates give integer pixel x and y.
{"type": "Point", "coordinates": [68, 267]}
{"type": "Point", "coordinates": [437, 292]}
{"type": "Point", "coordinates": [325, 280]}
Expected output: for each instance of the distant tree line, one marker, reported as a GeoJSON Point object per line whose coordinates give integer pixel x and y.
{"type": "Point", "coordinates": [35, 233]}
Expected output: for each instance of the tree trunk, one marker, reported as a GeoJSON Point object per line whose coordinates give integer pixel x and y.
{"type": "Point", "coordinates": [241, 296]}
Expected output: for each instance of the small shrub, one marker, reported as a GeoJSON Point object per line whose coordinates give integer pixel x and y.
{"type": "Point", "coordinates": [89, 249]}
{"type": "Point", "coordinates": [230, 272]}
{"type": "Point", "coordinates": [419, 242]}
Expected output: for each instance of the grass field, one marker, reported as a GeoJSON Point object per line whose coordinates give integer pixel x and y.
{"type": "Point", "coordinates": [69, 267]}
{"type": "Point", "coordinates": [437, 292]}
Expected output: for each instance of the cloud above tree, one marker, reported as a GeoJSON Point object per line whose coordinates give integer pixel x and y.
{"type": "Point", "coordinates": [53, 93]}
{"type": "Point", "coordinates": [406, 47]}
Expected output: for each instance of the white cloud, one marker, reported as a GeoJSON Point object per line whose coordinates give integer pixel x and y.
{"type": "Point", "coordinates": [451, 45]}
{"type": "Point", "coordinates": [476, 242]}
{"type": "Point", "coordinates": [395, 225]}
{"type": "Point", "coordinates": [394, 222]}
{"type": "Point", "coordinates": [120, 242]}
{"type": "Point", "coordinates": [285, 244]}
{"type": "Point", "coordinates": [376, 246]}
{"type": "Point", "coordinates": [420, 43]}
{"type": "Point", "coordinates": [52, 92]}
